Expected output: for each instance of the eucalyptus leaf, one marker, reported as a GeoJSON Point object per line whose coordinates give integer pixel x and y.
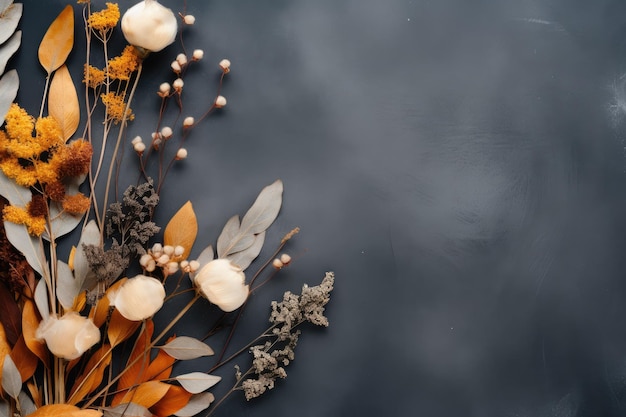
{"type": "Point", "coordinates": [27, 406]}
{"type": "Point", "coordinates": [62, 222]}
{"type": "Point", "coordinates": [41, 299]}
{"type": "Point", "coordinates": [229, 233]}
{"type": "Point", "coordinates": [82, 272]}
{"type": "Point", "coordinates": [244, 258]}
{"type": "Point", "coordinates": [11, 378]}
{"type": "Point", "coordinates": [197, 404]}
{"type": "Point", "coordinates": [67, 287]}
{"type": "Point", "coordinates": [9, 48]}
{"type": "Point", "coordinates": [31, 247]}
{"type": "Point", "coordinates": [206, 256]}
{"type": "Point", "coordinates": [264, 210]}
{"type": "Point", "coordinates": [4, 4]}
{"type": "Point", "coordinates": [9, 84]}
{"type": "Point", "coordinates": [196, 382]}
{"type": "Point", "coordinates": [127, 409]}
{"type": "Point", "coordinates": [185, 348]}
{"type": "Point", "coordinates": [16, 194]}
{"type": "Point", "coordinates": [9, 18]}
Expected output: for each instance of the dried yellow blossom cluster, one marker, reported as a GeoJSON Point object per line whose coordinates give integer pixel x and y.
{"type": "Point", "coordinates": [45, 163]}
{"type": "Point", "coordinates": [115, 107]}
{"type": "Point", "coordinates": [121, 67]}
{"type": "Point", "coordinates": [105, 19]}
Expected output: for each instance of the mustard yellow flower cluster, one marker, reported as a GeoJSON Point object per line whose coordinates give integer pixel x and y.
{"type": "Point", "coordinates": [45, 163]}
{"type": "Point", "coordinates": [105, 19]}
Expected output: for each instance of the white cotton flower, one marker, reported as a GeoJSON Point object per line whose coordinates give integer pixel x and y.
{"type": "Point", "coordinates": [149, 25]}
{"type": "Point", "coordinates": [70, 336]}
{"type": "Point", "coordinates": [138, 298]}
{"type": "Point", "coordinates": [223, 284]}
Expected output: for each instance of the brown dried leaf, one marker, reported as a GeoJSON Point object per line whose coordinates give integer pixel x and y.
{"type": "Point", "coordinates": [182, 229]}
{"type": "Point", "coordinates": [92, 376]}
{"type": "Point", "coordinates": [64, 410]}
{"type": "Point", "coordinates": [175, 399]}
{"type": "Point", "coordinates": [63, 102]}
{"type": "Point", "coordinates": [30, 322]}
{"type": "Point", "coordinates": [147, 394]}
{"type": "Point", "coordinates": [10, 316]}
{"type": "Point", "coordinates": [58, 41]}
{"type": "Point", "coordinates": [120, 328]}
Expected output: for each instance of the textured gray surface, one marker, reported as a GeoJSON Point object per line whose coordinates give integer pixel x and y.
{"type": "Point", "coordinates": [460, 165]}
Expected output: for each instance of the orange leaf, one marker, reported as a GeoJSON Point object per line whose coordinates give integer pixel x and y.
{"type": "Point", "coordinates": [100, 312]}
{"type": "Point", "coordinates": [58, 41]}
{"type": "Point", "coordinates": [120, 328]}
{"type": "Point", "coordinates": [30, 322]}
{"type": "Point", "coordinates": [64, 410]}
{"type": "Point", "coordinates": [92, 376]}
{"type": "Point", "coordinates": [63, 102]}
{"type": "Point", "coordinates": [135, 373]}
{"type": "Point", "coordinates": [25, 360]}
{"type": "Point", "coordinates": [182, 229]}
{"type": "Point", "coordinates": [161, 367]}
{"type": "Point", "coordinates": [175, 399]}
{"type": "Point", "coordinates": [147, 394]}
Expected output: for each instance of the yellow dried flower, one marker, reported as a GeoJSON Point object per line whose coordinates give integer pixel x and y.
{"type": "Point", "coordinates": [106, 19]}
{"type": "Point", "coordinates": [49, 133]}
{"type": "Point", "coordinates": [76, 204]}
{"type": "Point", "coordinates": [121, 67]}
{"type": "Point", "coordinates": [115, 107]}
{"type": "Point", "coordinates": [93, 77]}
{"type": "Point", "coordinates": [23, 175]}
{"type": "Point", "coordinates": [35, 225]}
{"type": "Point", "coordinates": [18, 123]}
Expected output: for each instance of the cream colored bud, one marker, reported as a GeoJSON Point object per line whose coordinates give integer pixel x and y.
{"type": "Point", "coordinates": [194, 266]}
{"type": "Point", "coordinates": [277, 263]}
{"type": "Point", "coordinates": [223, 284]}
{"type": "Point", "coordinates": [189, 121]}
{"type": "Point", "coordinates": [151, 265]}
{"type": "Point", "coordinates": [154, 135]}
{"type": "Point", "coordinates": [163, 260]}
{"type": "Point", "coordinates": [138, 298]}
{"type": "Point", "coordinates": [189, 19]}
{"type": "Point", "coordinates": [220, 102]}
{"type": "Point", "coordinates": [149, 25]}
{"type": "Point", "coordinates": [68, 337]}
{"type": "Point", "coordinates": [181, 154]}
{"type": "Point", "coordinates": [172, 267]}
{"type": "Point", "coordinates": [145, 259]}
{"type": "Point", "coordinates": [225, 65]}
{"type": "Point", "coordinates": [179, 250]}
{"type": "Point", "coordinates": [137, 139]}
{"type": "Point", "coordinates": [184, 265]}
{"type": "Point", "coordinates": [178, 84]}
{"type": "Point", "coordinates": [198, 54]}
{"type": "Point", "coordinates": [175, 65]}
{"type": "Point", "coordinates": [181, 59]}
{"type": "Point", "coordinates": [285, 259]}
{"type": "Point", "coordinates": [164, 88]}
{"type": "Point", "coordinates": [157, 249]}
{"type": "Point", "coordinates": [139, 147]}
{"type": "Point", "coordinates": [166, 132]}
{"type": "Point", "coordinates": [168, 250]}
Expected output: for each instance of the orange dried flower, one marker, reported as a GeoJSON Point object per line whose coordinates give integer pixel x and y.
{"type": "Point", "coordinates": [93, 77]}
{"type": "Point", "coordinates": [35, 225]}
{"type": "Point", "coordinates": [121, 67]}
{"type": "Point", "coordinates": [105, 19]}
{"type": "Point", "coordinates": [37, 206]}
{"type": "Point", "coordinates": [75, 159]}
{"type": "Point", "coordinates": [76, 204]}
{"type": "Point", "coordinates": [55, 190]}
{"type": "Point", "coordinates": [115, 107]}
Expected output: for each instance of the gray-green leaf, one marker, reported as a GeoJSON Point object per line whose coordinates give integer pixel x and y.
{"type": "Point", "coordinates": [197, 404]}
{"type": "Point", "coordinates": [244, 258]}
{"type": "Point", "coordinates": [264, 210]}
{"type": "Point", "coordinates": [196, 382]}
{"type": "Point", "coordinates": [9, 84]}
{"type": "Point", "coordinates": [41, 299]}
{"type": "Point", "coordinates": [27, 406]}
{"type": "Point", "coordinates": [30, 247]}
{"type": "Point", "coordinates": [11, 378]}
{"type": "Point", "coordinates": [4, 409]}
{"type": "Point", "coordinates": [16, 194]}
{"type": "Point", "coordinates": [67, 287]}
{"type": "Point", "coordinates": [9, 18]}
{"type": "Point", "coordinates": [9, 48]}
{"type": "Point", "coordinates": [185, 348]}
{"type": "Point", "coordinates": [82, 272]}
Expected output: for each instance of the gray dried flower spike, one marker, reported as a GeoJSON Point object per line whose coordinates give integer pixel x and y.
{"type": "Point", "coordinates": [270, 359]}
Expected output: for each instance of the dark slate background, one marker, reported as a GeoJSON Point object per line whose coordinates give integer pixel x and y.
{"type": "Point", "coordinates": [459, 165]}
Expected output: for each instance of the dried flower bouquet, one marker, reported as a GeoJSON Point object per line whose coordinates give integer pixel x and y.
{"type": "Point", "coordinates": [77, 336]}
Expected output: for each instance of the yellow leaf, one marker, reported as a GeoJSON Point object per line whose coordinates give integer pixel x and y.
{"type": "Point", "coordinates": [64, 410]}
{"type": "Point", "coordinates": [182, 229]}
{"type": "Point", "coordinates": [63, 102]}
{"type": "Point", "coordinates": [58, 41]}
{"type": "Point", "coordinates": [80, 301]}
{"type": "Point", "coordinates": [30, 322]}
{"type": "Point", "coordinates": [70, 259]}
{"type": "Point", "coordinates": [147, 394]}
